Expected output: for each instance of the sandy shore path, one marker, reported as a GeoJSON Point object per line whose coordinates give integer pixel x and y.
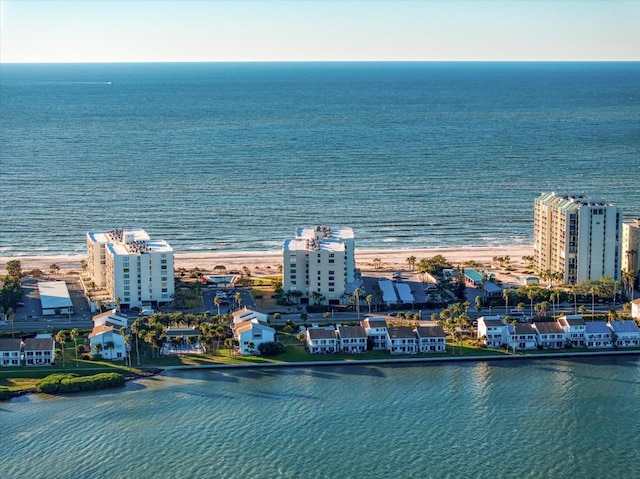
{"type": "Point", "coordinates": [389, 258]}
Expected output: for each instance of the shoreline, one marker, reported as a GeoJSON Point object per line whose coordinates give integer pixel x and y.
{"type": "Point", "coordinates": [390, 258]}
{"type": "Point", "coordinates": [145, 373]}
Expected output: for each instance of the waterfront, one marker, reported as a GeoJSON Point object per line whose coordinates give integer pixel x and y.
{"type": "Point", "coordinates": [232, 157]}
{"type": "Point", "coordinates": [509, 419]}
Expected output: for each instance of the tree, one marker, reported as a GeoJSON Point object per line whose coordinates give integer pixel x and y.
{"type": "Point", "coordinates": [411, 261]}
{"type": "Point", "coordinates": [97, 348]}
{"type": "Point", "coordinates": [377, 263]}
{"type": "Point", "coordinates": [368, 299]}
{"type": "Point", "coordinates": [14, 269]}
{"type": "Point", "coordinates": [478, 303]}
{"type": "Point", "coordinates": [217, 301]}
{"type": "Point", "coordinates": [73, 334]}
{"type": "Point", "coordinates": [54, 268]}
{"type": "Point", "coordinates": [61, 338]}
{"type": "Point", "coordinates": [229, 343]}
{"type": "Point", "coordinates": [118, 303]}
{"type": "Point", "coordinates": [238, 298]}
{"type": "Point", "coordinates": [110, 346]}
{"type": "Point", "coordinates": [356, 295]}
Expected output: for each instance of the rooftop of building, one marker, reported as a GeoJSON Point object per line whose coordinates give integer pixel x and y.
{"type": "Point", "coordinates": [129, 241]}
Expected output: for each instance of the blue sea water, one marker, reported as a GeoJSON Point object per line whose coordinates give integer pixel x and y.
{"type": "Point", "coordinates": [560, 419]}
{"type": "Point", "coordinates": [234, 156]}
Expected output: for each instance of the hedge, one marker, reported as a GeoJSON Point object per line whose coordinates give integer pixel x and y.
{"type": "Point", "coordinates": [61, 383]}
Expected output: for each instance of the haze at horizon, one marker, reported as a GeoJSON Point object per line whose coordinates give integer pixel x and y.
{"type": "Point", "coordinates": [35, 31]}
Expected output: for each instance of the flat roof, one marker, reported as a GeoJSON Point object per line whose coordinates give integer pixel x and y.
{"type": "Point", "coordinates": [54, 295]}
{"type": "Point", "coordinates": [473, 275]}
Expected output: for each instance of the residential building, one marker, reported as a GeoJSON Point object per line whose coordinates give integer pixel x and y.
{"type": "Point", "coordinates": [626, 334]}
{"type": "Point", "coordinates": [10, 351]}
{"type": "Point", "coordinates": [112, 343]}
{"type": "Point", "coordinates": [631, 246]}
{"type": "Point", "coordinates": [246, 314]}
{"type": "Point", "coordinates": [431, 339]}
{"type": "Point", "coordinates": [318, 263]}
{"type": "Point", "coordinates": [54, 298]}
{"type": "Point", "coordinates": [573, 327]}
{"type": "Point", "coordinates": [550, 335]}
{"type": "Point", "coordinates": [376, 329]}
{"type": "Point", "coordinates": [352, 339]}
{"type": "Point", "coordinates": [401, 340]}
{"type": "Point", "coordinates": [321, 340]}
{"type": "Point", "coordinates": [597, 335]}
{"type": "Point", "coordinates": [39, 351]}
{"type": "Point", "coordinates": [134, 268]}
{"type": "Point", "coordinates": [577, 237]}
{"type": "Point", "coordinates": [635, 308]}
{"type": "Point", "coordinates": [251, 334]}
{"type": "Point", "coordinates": [521, 336]}
{"type": "Point", "coordinates": [493, 330]}
{"type": "Point", "coordinates": [111, 318]}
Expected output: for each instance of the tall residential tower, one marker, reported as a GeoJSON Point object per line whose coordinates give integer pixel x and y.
{"type": "Point", "coordinates": [577, 237]}
{"type": "Point", "coordinates": [131, 266]}
{"type": "Point", "coordinates": [318, 263]}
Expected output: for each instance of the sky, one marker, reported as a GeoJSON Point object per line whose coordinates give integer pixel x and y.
{"type": "Point", "coordinates": [38, 31]}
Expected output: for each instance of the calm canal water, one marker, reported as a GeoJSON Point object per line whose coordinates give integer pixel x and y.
{"type": "Point", "coordinates": [506, 419]}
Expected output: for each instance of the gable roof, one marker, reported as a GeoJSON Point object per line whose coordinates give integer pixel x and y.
{"type": "Point", "coordinates": [321, 333]}
{"type": "Point", "coordinates": [10, 344]}
{"type": "Point", "coordinates": [38, 344]}
{"type": "Point", "coordinates": [401, 332]}
{"type": "Point", "coordinates": [430, 331]}
{"type": "Point", "coordinates": [548, 327]}
{"type": "Point", "coordinates": [352, 332]}
{"type": "Point", "coordinates": [624, 326]}
{"type": "Point", "coordinates": [253, 324]}
{"type": "Point", "coordinates": [98, 330]}
{"type": "Point", "coordinates": [524, 328]}
{"type": "Point", "coordinates": [596, 327]}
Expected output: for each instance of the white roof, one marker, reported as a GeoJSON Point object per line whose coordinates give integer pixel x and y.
{"type": "Point", "coordinates": [404, 291]}
{"type": "Point", "coordinates": [388, 293]}
{"type": "Point", "coordinates": [54, 294]}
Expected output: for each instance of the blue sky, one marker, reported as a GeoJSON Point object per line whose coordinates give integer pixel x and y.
{"type": "Point", "coordinates": [173, 30]}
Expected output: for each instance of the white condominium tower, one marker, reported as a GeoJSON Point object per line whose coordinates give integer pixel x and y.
{"type": "Point", "coordinates": [318, 263]}
{"type": "Point", "coordinates": [631, 246]}
{"type": "Point", "coordinates": [577, 237]}
{"type": "Point", "coordinates": [132, 266]}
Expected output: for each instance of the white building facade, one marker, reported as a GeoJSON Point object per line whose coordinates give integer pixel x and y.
{"type": "Point", "coordinates": [318, 263]}
{"type": "Point", "coordinates": [631, 246]}
{"type": "Point", "coordinates": [131, 266]}
{"type": "Point", "coordinates": [577, 237]}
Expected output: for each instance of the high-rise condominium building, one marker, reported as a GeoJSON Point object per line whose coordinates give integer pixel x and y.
{"type": "Point", "coordinates": [318, 263]}
{"type": "Point", "coordinates": [577, 237]}
{"type": "Point", "coordinates": [631, 246]}
{"type": "Point", "coordinates": [131, 266]}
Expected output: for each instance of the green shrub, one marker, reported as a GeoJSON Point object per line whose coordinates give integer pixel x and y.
{"type": "Point", "coordinates": [71, 383]}
{"type": "Point", "coordinates": [271, 348]}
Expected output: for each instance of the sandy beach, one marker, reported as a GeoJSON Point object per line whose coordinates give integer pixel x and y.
{"type": "Point", "coordinates": [268, 261]}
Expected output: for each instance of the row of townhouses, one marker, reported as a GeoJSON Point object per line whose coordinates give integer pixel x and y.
{"type": "Point", "coordinates": [566, 331]}
{"type": "Point", "coordinates": [373, 333]}
{"type": "Point", "coordinates": [38, 351]}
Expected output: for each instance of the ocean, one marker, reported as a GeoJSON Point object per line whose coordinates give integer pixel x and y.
{"type": "Point", "coordinates": [217, 157]}
{"type": "Point", "coordinates": [512, 419]}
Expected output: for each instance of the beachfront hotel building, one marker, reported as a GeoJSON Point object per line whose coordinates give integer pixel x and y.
{"type": "Point", "coordinates": [318, 263]}
{"type": "Point", "coordinates": [577, 237]}
{"type": "Point", "coordinates": [131, 266]}
{"type": "Point", "coordinates": [631, 246]}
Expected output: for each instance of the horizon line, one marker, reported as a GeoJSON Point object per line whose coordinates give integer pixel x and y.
{"type": "Point", "coordinates": [316, 61]}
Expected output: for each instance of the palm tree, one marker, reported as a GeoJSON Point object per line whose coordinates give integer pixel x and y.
{"type": "Point", "coordinates": [97, 348]}
{"type": "Point", "coordinates": [217, 301]}
{"type": "Point", "coordinates": [478, 303]}
{"type": "Point", "coordinates": [73, 334]}
{"type": "Point", "coordinates": [356, 294]}
{"type": "Point", "coordinates": [118, 303]}
{"type": "Point", "coordinates": [505, 294]}
{"type": "Point", "coordinates": [238, 298]}
{"type": "Point", "coordinates": [110, 346]}
{"type": "Point", "coordinates": [61, 338]}
{"type": "Point", "coordinates": [368, 299]}
{"type": "Point", "coordinates": [411, 261]}
{"type": "Point", "coordinates": [377, 263]}
{"type": "Point", "coordinates": [229, 343]}
{"type": "Point", "coordinates": [54, 268]}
